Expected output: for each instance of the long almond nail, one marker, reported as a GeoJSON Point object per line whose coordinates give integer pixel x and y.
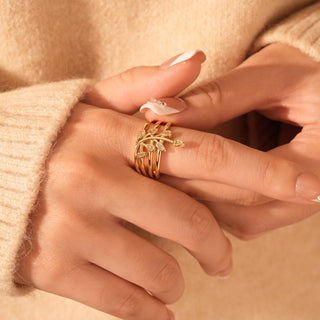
{"type": "Point", "coordinates": [158, 107]}
{"type": "Point", "coordinates": [184, 57]}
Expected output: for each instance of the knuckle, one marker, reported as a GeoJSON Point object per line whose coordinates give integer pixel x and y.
{"type": "Point", "coordinates": [132, 304]}
{"type": "Point", "coordinates": [212, 152]}
{"type": "Point", "coordinates": [129, 77]}
{"type": "Point", "coordinates": [107, 132]}
{"type": "Point", "coordinates": [200, 226]}
{"type": "Point", "coordinates": [168, 276]}
{"type": "Point", "coordinates": [211, 92]}
{"type": "Point", "coordinates": [76, 173]}
{"type": "Point", "coordinates": [249, 199]}
{"type": "Point", "coordinates": [267, 172]}
{"type": "Point", "coordinates": [251, 229]}
{"type": "Point", "coordinates": [270, 175]}
{"type": "Point", "coordinates": [209, 95]}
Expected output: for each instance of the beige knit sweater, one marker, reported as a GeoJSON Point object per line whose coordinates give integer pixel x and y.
{"type": "Point", "coordinates": [50, 54]}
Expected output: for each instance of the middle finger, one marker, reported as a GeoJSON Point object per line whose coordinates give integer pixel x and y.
{"type": "Point", "coordinates": [165, 212]}
{"type": "Point", "coordinates": [211, 157]}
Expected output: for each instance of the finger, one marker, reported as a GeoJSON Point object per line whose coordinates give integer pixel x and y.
{"type": "Point", "coordinates": [225, 98]}
{"type": "Point", "coordinates": [152, 206]}
{"type": "Point", "coordinates": [127, 91]}
{"type": "Point", "coordinates": [134, 259]}
{"type": "Point", "coordinates": [106, 292]}
{"type": "Point", "coordinates": [167, 213]}
{"type": "Point", "coordinates": [213, 191]}
{"type": "Point", "coordinates": [241, 90]}
{"type": "Point", "coordinates": [249, 222]}
{"type": "Point", "coordinates": [214, 158]}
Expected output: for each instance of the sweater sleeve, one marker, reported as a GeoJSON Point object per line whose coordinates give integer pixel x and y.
{"type": "Point", "coordinates": [301, 30]}
{"type": "Point", "coordinates": [30, 119]}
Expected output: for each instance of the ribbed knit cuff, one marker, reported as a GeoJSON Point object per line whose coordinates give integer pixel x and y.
{"type": "Point", "coordinates": [30, 119]}
{"type": "Point", "coordinates": [300, 30]}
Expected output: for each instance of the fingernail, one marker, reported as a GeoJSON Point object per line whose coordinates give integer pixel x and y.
{"type": "Point", "coordinates": [184, 57]}
{"type": "Point", "coordinates": [308, 187]}
{"type": "Point", "coordinates": [170, 315]}
{"type": "Point", "coordinates": [317, 199]}
{"type": "Point", "coordinates": [159, 107]}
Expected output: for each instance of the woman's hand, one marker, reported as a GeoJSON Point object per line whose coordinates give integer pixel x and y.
{"type": "Point", "coordinates": [282, 84]}
{"type": "Point", "coordinates": [80, 247]}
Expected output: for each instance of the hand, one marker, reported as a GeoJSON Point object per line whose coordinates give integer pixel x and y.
{"type": "Point", "coordinates": [81, 248]}
{"type": "Point", "coordinates": [281, 83]}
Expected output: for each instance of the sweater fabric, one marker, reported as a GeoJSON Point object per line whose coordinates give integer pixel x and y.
{"type": "Point", "coordinates": [51, 52]}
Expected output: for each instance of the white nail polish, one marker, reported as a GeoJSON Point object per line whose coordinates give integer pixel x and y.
{"type": "Point", "coordinates": [185, 56]}
{"type": "Point", "coordinates": [159, 107]}
{"type": "Point", "coordinates": [317, 199]}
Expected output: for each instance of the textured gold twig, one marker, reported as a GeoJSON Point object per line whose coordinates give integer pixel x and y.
{"type": "Point", "coordinates": [151, 140]}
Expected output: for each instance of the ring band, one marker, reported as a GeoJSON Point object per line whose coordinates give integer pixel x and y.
{"type": "Point", "coordinates": [150, 145]}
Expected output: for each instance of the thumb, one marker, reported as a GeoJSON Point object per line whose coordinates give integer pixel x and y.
{"type": "Point", "coordinates": [233, 94]}
{"type": "Point", "coordinates": [127, 91]}
{"type": "Point", "coordinates": [266, 81]}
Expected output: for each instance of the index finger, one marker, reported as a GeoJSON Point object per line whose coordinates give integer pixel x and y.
{"type": "Point", "coordinates": [211, 157]}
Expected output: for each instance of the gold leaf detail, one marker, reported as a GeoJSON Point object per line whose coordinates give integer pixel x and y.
{"type": "Point", "coordinates": [167, 133]}
{"type": "Point", "coordinates": [160, 146]}
{"type": "Point", "coordinates": [141, 135]}
{"type": "Point", "coordinates": [178, 143]}
{"type": "Point", "coordinates": [150, 147]}
{"type": "Point", "coordinates": [153, 131]}
{"type": "Point", "coordinates": [141, 155]}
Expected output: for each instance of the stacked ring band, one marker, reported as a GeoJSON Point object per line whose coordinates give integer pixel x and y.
{"type": "Point", "coordinates": [150, 145]}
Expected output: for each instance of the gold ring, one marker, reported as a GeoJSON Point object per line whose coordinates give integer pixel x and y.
{"type": "Point", "coordinates": [150, 145]}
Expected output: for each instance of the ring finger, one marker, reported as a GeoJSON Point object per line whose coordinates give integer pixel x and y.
{"type": "Point", "coordinates": [163, 211]}
{"type": "Point", "coordinates": [125, 254]}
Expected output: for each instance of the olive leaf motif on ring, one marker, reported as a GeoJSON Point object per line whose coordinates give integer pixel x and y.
{"type": "Point", "coordinates": [151, 140]}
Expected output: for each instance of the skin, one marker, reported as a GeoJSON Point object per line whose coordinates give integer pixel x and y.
{"type": "Point", "coordinates": [81, 248]}
{"type": "Point", "coordinates": [281, 83]}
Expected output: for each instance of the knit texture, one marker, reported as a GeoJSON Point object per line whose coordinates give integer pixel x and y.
{"type": "Point", "coordinates": [29, 122]}
{"type": "Point", "coordinates": [301, 30]}
{"type": "Point", "coordinates": [43, 42]}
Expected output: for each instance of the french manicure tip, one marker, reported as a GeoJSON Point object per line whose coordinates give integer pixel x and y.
{"type": "Point", "coordinates": [184, 57]}
{"type": "Point", "coordinates": [158, 107]}
{"type": "Point", "coordinates": [317, 199]}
